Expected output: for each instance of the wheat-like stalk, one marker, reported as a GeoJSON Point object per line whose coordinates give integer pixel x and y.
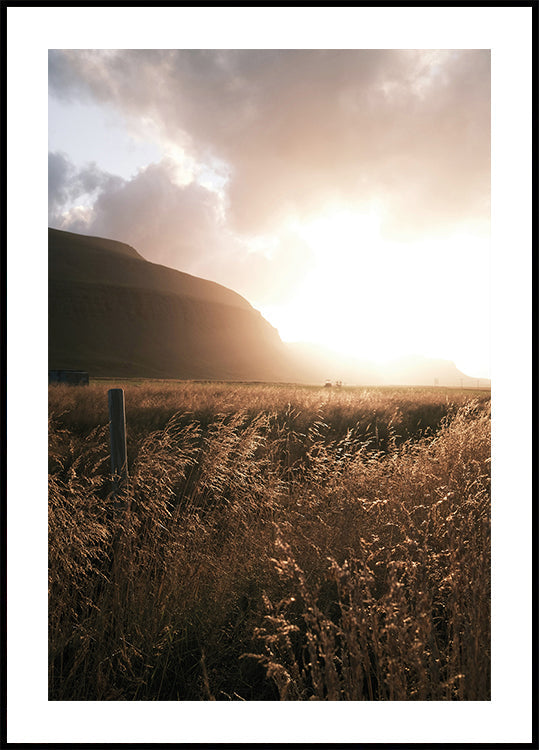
{"type": "Point", "coordinates": [269, 546]}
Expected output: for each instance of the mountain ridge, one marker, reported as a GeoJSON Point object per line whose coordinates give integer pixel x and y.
{"type": "Point", "coordinates": [74, 258]}
{"type": "Point", "coordinates": [407, 370]}
{"type": "Point", "coordinates": [113, 313]}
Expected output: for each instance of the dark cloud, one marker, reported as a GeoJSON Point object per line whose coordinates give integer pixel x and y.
{"type": "Point", "coordinates": [60, 174]}
{"type": "Point", "coordinates": [67, 184]}
{"type": "Point", "coordinates": [299, 128]}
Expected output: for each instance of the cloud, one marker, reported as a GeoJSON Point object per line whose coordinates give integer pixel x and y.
{"type": "Point", "coordinates": [181, 226]}
{"type": "Point", "coordinates": [60, 176]}
{"type": "Point", "coordinates": [67, 185]}
{"type": "Point", "coordinates": [298, 129]}
{"type": "Point", "coordinates": [168, 223]}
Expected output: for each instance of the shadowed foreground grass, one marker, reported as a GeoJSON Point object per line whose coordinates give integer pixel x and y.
{"type": "Point", "coordinates": [274, 543]}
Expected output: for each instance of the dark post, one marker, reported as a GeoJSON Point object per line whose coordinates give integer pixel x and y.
{"type": "Point", "coordinates": [118, 442]}
{"type": "Point", "coordinates": [121, 571]}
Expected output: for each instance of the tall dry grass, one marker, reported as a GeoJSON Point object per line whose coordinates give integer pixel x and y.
{"type": "Point", "coordinates": [273, 543]}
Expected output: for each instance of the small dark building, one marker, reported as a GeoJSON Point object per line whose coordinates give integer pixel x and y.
{"type": "Point", "coordinates": [70, 377]}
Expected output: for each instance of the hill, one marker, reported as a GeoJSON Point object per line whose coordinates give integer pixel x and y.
{"type": "Point", "coordinates": [319, 364]}
{"type": "Point", "coordinates": [418, 370]}
{"type": "Point", "coordinates": [113, 313]}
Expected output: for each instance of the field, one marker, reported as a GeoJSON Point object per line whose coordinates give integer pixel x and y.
{"type": "Point", "coordinates": [273, 542]}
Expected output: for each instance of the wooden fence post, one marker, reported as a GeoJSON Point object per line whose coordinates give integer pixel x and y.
{"type": "Point", "coordinates": [121, 560]}
{"type": "Point", "coordinates": [118, 440]}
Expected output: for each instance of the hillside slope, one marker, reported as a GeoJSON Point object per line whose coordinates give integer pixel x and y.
{"type": "Point", "coordinates": [77, 258]}
{"type": "Point", "coordinates": [114, 314]}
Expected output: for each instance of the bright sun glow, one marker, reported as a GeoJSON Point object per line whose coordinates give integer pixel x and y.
{"type": "Point", "coordinates": [376, 299]}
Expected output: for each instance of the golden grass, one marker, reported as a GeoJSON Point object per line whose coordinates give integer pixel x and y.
{"type": "Point", "coordinates": [274, 543]}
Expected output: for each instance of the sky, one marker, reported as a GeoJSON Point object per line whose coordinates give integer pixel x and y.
{"type": "Point", "coordinates": [344, 193]}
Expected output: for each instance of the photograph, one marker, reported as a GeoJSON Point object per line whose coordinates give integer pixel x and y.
{"type": "Point", "coordinates": [276, 261]}
{"type": "Point", "coordinates": [268, 299]}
